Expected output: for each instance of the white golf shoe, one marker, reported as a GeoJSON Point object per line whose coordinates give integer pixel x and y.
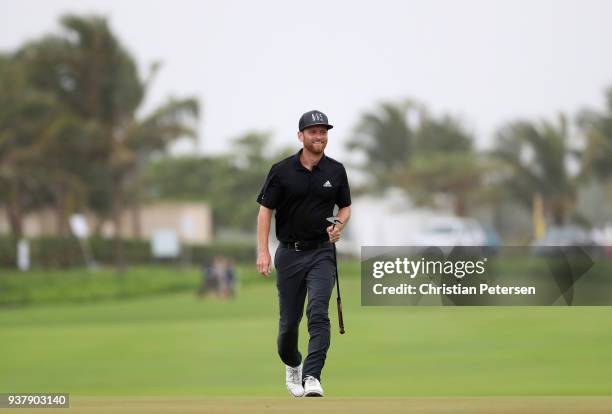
{"type": "Point", "coordinates": [293, 380]}
{"type": "Point", "coordinates": [312, 387]}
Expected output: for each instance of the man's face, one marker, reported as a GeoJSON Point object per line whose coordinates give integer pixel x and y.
{"type": "Point", "coordinates": [314, 138]}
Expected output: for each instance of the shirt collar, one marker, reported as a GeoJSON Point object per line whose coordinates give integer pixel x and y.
{"type": "Point", "coordinates": [298, 165]}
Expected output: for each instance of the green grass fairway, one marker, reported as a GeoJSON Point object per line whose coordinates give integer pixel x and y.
{"type": "Point", "coordinates": [355, 405]}
{"type": "Point", "coordinates": [175, 345]}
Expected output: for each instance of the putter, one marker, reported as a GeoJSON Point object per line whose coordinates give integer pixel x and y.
{"type": "Point", "coordinates": [334, 221]}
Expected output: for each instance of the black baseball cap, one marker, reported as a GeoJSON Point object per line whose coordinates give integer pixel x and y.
{"type": "Point", "coordinates": [314, 117]}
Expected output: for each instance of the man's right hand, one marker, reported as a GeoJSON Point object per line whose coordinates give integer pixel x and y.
{"type": "Point", "coordinates": [263, 263]}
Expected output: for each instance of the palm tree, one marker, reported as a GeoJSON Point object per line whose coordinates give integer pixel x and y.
{"type": "Point", "coordinates": [96, 79]}
{"type": "Point", "coordinates": [154, 133]}
{"type": "Point", "coordinates": [25, 115]}
{"type": "Point", "coordinates": [597, 128]}
{"type": "Point", "coordinates": [446, 134]}
{"type": "Point", "coordinates": [65, 156]}
{"type": "Point", "coordinates": [385, 137]}
{"type": "Point", "coordinates": [443, 163]}
{"type": "Point", "coordinates": [537, 157]}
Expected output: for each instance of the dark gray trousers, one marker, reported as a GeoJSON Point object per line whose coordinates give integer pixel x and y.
{"type": "Point", "coordinates": [312, 273]}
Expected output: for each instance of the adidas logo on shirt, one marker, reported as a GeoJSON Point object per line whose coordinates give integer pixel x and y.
{"type": "Point", "coordinates": [327, 184]}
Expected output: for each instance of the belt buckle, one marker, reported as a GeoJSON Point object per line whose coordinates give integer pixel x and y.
{"type": "Point", "coordinates": [296, 247]}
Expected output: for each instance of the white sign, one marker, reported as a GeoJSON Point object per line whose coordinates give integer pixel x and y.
{"type": "Point", "coordinates": [78, 225]}
{"type": "Point", "coordinates": [165, 244]}
{"type": "Point", "coordinates": [23, 255]}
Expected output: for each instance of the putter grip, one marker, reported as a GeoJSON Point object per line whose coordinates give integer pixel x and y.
{"type": "Point", "coordinates": [340, 319]}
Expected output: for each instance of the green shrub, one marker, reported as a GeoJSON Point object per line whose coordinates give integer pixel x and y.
{"type": "Point", "coordinates": [63, 252]}
{"type": "Point", "coordinates": [81, 285]}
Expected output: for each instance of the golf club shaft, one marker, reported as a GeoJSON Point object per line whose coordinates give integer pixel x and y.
{"type": "Point", "coordinates": [338, 299]}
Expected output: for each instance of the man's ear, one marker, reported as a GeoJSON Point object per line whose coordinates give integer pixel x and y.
{"type": "Point", "coordinates": [300, 136]}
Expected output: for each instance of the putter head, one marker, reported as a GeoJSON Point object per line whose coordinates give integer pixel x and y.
{"type": "Point", "coordinates": [333, 220]}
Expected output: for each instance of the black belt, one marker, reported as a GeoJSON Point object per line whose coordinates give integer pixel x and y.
{"type": "Point", "coordinates": [311, 245]}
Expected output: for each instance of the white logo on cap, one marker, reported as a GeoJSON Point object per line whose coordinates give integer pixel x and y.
{"type": "Point", "coordinates": [317, 117]}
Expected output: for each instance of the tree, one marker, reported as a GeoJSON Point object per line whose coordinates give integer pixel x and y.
{"type": "Point", "coordinates": [230, 183]}
{"type": "Point", "coordinates": [445, 134]}
{"type": "Point", "coordinates": [63, 156]}
{"type": "Point", "coordinates": [385, 137]}
{"type": "Point", "coordinates": [96, 79]}
{"type": "Point", "coordinates": [443, 163]}
{"type": "Point", "coordinates": [597, 128]}
{"type": "Point", "coordinates": [251, 160]}
{"type": "Point", "coordinates": [25, 115]}
{"type": "Point", "coordinates": [537, 157]}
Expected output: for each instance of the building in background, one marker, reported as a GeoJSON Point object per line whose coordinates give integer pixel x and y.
{"type": "Point", "coordinates": [192, 221]}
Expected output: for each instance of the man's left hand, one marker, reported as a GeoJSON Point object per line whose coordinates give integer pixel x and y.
{"type": "Point", "coordinates": [334, 232]}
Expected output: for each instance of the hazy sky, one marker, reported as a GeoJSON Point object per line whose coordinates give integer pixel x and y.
{"type": "Point", "coordinates": [260, 64]}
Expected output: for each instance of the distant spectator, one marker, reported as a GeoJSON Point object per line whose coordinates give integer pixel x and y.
{"type": "Point", "coordinates": [230, 277]}
{"type": "Point", "coordinates": [219, 277]}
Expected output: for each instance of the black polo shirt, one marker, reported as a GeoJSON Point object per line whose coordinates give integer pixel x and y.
{"type": "Point", "coordinates": [304, 199]}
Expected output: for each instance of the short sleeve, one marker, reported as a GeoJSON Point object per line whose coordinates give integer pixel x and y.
{"type": "Point", "coordinates": [343, 197]}
{"type": "Point", "coordinates": [270, 193]}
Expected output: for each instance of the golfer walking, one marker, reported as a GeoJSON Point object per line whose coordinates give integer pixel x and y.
{"type": "Point", "coordinates": [303, 189]}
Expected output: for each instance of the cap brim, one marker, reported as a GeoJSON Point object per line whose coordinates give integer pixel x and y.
{"type": "Point", "coordinates": [311, 125]}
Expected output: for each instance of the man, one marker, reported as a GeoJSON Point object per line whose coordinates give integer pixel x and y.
{"type": "Point", "coordinates": [303, 190]}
